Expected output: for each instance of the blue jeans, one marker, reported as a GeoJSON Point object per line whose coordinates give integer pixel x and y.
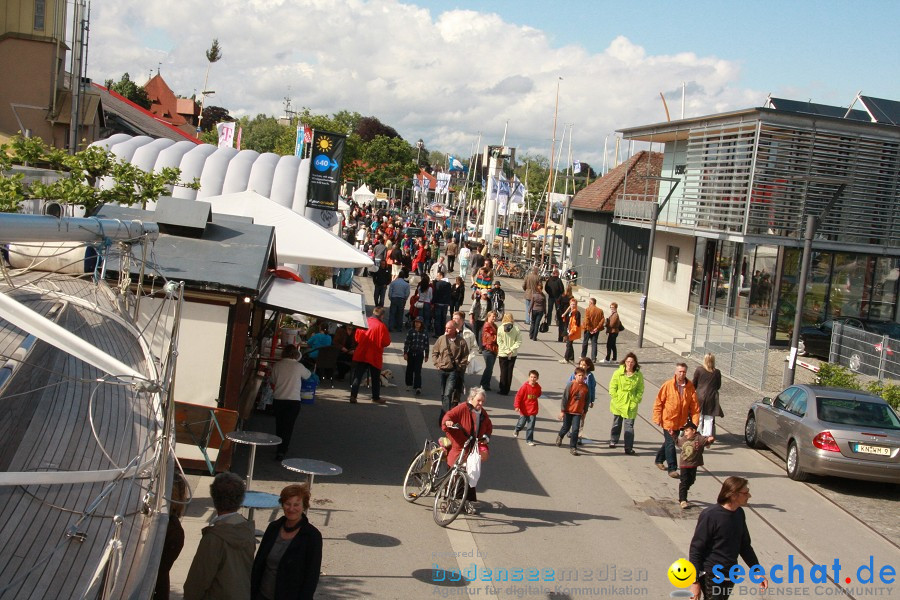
{"type": "Point", "coordinates": [592, 338]}
{"type": "Point", "coordinates": [527, 423]}
{"type": "Point", "coordinates": [528, 312]}
{"type": "Point", "coordinates": [536, 319]}
{"type": "Point", "coordinates": [617, 428]}
{"type": "Point", "coordinates": [666, 452]}
{"type": "Point", "coordinates": [489, 359]}
{"type": "Point", "coordinates": [425, 313]}
{"type": "Point", "coordinates": [380, 291]}
{"type": "Point", "coordinates": [573, 421]}
{"type": "Point", "coordinates": [395, 322]}
{"type": "Point", "coordinates": [359, 369]}
{"type": "Point", "coordinates": [449, 381]}
{"type": "Point", "coordinates": [440, 318]}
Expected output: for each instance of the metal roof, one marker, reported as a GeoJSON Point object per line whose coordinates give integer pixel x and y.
{"type": "Point", "coordinates": [232, 256]}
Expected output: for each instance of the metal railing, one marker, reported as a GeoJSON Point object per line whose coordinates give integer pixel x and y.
{"type": "Point", "coordinates": [741, 347]}
{"type": "Point", "coordinates": [864, 352]}
{"type": "Point", "coordinates": [612, 279]}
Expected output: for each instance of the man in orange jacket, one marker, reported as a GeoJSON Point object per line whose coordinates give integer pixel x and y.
{"type": "Point", "coordinates": [676, 402]}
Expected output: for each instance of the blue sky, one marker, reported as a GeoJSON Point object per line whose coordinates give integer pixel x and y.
{"type": "Point", "coordinates": [448, 71]}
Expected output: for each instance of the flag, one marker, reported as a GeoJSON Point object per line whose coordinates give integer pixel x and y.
{"type": "Point", "coordinates": [576, 167]}
{"type": "Point", "coordinates": [455, 164]}
{"type": "Point", "coordinates": [226, 134]}
{"type": "Point", "coordinates": [518, 191]}
{"type": "Point", "coordinates": [239, 136]}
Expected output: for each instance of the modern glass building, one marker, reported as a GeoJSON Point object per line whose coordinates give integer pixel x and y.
{"type": "Point", "coordinates": [731, 235]}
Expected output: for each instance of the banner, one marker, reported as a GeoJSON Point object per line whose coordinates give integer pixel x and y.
{"type": "Point", "coordinates": [303, 137]}
{"type": "Point", "coordinates": [325, 175]}
{"type": "Point", "coordinates": [226, 134]}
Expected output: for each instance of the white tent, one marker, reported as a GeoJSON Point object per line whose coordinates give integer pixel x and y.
{"type": "Point", "coordinates": [364, 195]}
{"type": "Point", "coordinates": [297, 239]}
{"type": "Point", "coordinates": [315, 300]}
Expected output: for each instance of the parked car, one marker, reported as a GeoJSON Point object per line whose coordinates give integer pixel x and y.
{"type": "Point", "coordinates": [414, 232]}
{"type": "Point", "coordinates": [828, 431]}
{"type": "Point", "coordinates": [860, 356]}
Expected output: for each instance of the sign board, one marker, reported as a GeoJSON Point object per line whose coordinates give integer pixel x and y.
{"type": "Point", "coordinates": [504, 233]}
{"type": "Point", "coordinates": [327, 154]}
{"type": "Point", "coordinates": [381, 195]}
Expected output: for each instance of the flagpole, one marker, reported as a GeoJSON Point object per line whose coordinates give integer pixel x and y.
{"type": "Point", "coordinates": [550, 177]}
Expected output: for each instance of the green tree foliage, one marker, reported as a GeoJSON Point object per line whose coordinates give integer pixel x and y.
{"type": "Point", "coordinates": [262, 133]}
{"type": "Point", "coordinates": [368, 128]}
{"type": "Point", "coordinates": [130, 90]}
{"type": "Point", "coordinates": [81, 172]}
{"type": "Point", "coordinates": [831, 375]}
{"type": "Point", "coordinates": [390, 162]}
{"type": "Point", "coordinates": [213, 115]}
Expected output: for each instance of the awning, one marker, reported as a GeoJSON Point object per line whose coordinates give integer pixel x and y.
{"type": "Point", "coordinates": [298, 240]}
{"type": "Point", "coordinates": [315, 301]}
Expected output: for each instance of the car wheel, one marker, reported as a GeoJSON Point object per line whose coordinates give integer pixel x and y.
{"type": "Point", "coordinates": [855, 362]}
{"type": "Point", "coordinates": [751, 436]}
{"type": "Point", "coordinates": [792, 464]}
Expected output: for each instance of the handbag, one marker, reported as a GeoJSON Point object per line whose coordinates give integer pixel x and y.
{"type": "Point", "coordinates": [544, 327]}
{"type": "Point", "coordinates": [420, 305]}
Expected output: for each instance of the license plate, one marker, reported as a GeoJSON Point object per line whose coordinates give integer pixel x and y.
{"type": "Point", "coordinates": [873, 450]}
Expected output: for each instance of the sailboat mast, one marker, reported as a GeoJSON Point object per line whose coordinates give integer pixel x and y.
{"type": "Point", "coordinates": [550, 176]}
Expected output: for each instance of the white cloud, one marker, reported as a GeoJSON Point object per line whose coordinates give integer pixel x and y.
{"type": "Point", "coordinates": [442, 77]}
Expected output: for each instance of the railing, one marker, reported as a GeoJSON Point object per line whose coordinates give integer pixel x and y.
{"type": "Point", "coordinates": [741, 348]}
{"type": "Point", "coordinates": [865, 352]}
{"type": "Point", "coordinates": [612, 279]}
{"type": "Point", "coordinates": [635, 207]}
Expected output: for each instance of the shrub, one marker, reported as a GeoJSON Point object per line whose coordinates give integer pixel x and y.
{"type": "Point", "coordinates": [889, 391]}
{"type": "Point", "coordinates": [837, 376]}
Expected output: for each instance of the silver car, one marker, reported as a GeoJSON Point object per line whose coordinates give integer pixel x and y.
{"type": "Point", "coordinates": [828, 431]}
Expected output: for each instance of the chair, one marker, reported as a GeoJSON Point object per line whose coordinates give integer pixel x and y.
{"type": "Point", "coordinates": [202, 428]}
{"type": "Point", "coordinates": [326, 363]}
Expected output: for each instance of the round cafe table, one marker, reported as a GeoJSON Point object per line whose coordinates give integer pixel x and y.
{"type": "Point", "coordinates": [311, 468]}
{"type": "Point", "coordinates": [253, 439]}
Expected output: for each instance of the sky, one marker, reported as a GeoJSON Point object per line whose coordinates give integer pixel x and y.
{"type": "Point", "coordinates": [448, 71]}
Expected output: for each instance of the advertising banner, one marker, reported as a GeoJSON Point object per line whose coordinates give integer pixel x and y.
{"type": "Point", "coordinates": [327, 155]}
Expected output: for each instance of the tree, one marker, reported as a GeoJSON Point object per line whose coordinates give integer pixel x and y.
{"type": "Point", "coordinates": [130, 90]}
{"type": "Point", "coordinates": [262, 134]}
{"type": "Point", "coordinates": [213, 55]}
{"type": "Point", "coordinates": [389, 161]}
{"type": "Point", "coordinates": [368, 128]}
{"type": "Point", "coordinates": [213, 115]}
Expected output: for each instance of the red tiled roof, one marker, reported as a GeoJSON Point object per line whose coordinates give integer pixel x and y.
{"type": "Point", "coordinates": [601, 195]}
{"type": "Point", "coordinates": [143, 118]}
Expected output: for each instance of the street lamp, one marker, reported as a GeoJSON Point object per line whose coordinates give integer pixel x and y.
{"type": "Point", "coordinates": [656, 211]}
{"type": "Point", "coordinates": [812, 223]}
{"type": "Point", "coordinates": [419, 144]}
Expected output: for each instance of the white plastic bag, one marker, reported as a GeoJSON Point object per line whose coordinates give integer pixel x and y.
{"type": "Point", "coordinates": [476, 365]}
{"type": "Point", "coordinates": [473, 467]}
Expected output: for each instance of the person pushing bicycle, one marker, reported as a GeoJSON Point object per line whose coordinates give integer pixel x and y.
{"type": "Point", "coordinates": [473, 420]}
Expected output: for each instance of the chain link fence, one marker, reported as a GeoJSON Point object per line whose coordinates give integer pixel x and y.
{"type": "Point", "coordinates": [741, 348]}
{"type": "Point", "coordinates": [864, 352]}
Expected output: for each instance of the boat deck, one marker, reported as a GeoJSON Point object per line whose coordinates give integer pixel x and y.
{"type": "Point", "coordinates": [47, 408]}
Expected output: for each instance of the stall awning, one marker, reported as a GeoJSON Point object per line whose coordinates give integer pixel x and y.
{"type": "Point", "coordinates": [315, 301]}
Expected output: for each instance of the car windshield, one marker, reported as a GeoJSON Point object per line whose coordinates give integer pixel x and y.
{"type": "Point", "coordinates": [858, 413]}
{"type": "Point", "coordinates": [888, 328]}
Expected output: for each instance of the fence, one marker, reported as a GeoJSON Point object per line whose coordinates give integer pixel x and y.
{"type": "Point", "coordinates": [741, 348]}
{"type": "Point", "coordinates": [612, 279]}
{"type": "Point", "coordinates": [864, 352]}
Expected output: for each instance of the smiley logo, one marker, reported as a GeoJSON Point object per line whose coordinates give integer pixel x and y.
{"type": "Point", "coordinates": [682, 573]}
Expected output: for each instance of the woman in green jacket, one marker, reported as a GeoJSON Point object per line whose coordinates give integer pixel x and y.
{"type": "Point", "coordinates": [626, 388]}
{"type": "Point", "coordinates": [509, 338]}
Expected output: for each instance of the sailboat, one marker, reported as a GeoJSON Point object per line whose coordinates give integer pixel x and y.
{"type": "Point", "coordinates": [85, 460]}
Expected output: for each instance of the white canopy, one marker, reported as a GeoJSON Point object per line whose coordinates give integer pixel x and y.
{"type": "Point", "coordinates": [316, 301]}
{"type": "Point", "coordinates": [364, 195]}
{"type": "Point", "coordinates": [298, 240]}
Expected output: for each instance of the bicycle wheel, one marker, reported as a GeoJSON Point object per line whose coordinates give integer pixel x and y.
{"type": "Point", "coordinates": [450, 497]}
{"type": "Point", "coordinates": [517, 271]}
{"type": "Point", "coordinates": [417, 482]}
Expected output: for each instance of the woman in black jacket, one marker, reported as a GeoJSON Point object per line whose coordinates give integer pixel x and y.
{"type": "Point", "coordinates": [458, 295]}
{"type": "Point", "coordinates": [289, 558]}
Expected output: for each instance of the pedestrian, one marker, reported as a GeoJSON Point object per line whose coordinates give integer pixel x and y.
{"type": "Point", "coordinates": [415, 352]}
{"type": "Point", "coordinates": [555, 289]}
{"type": "Point", "coordinates": [572, 319]}
{"type": "Point", "coordinates": [289, 558]}
{"type": "Point", "coordinates": [481, 306]}
{"type": "Point", "coordinates": [498, 299]}
{"type": "Point", "coordinates": [287, 376]}
{"type": "Point", "coordinates": [591, 382]}
{"type": "Point", "coordinates": [396, 256]}
{"type": "Point", "coordinates": [458, 294]}
{"type": "Point", "coordinates": [691, 444]}
{"type": "Point", "coordinates": [509, 339]}
{"type": "Point", "coordinates": [452, 250]}
{"type": "Point", "coordinates": [464, 254]}
{"type": "Point", "coordinates": [594, 321]}
{"type": "Point", "coordinates": [489, 349]}
{"type": "Point", "coordinates": [423, 304]}
{"type": "Point", "coordinates": [613, 327]}
{"type": "Point", "coordinates": [626, 390]}
{"type": "Point", "coordinates": [398, 292]}
{"type": "Point", "coordinates": [707, 381]}
{"type": "Point", "coordinates": [381, 279]}
{"type": "Point", "coordinates": [526, 404]}
{"type": "Point", "coordinates": [369, 355]}
{"type": "Point", "coordinates": [345, 279]}
{"type": "Point", "coordinates": [221, 567]}
{"type": "Point", "coordinates": [450, 355]}
{"type": "Point", "coordinates": [675, 403]}
{"type": "Point", "coordinates": [720, 537]}
{"type": "Point", "coordinates": [420, 257]}
{"type": "Point", "coordinates": [473, 420]}
{"type": "Point", "coordinates": [530, 284]}
{"type": "Point", "coordinates": [438, 267]}
{"type": "Point", "coordinates": [538, 309]}
{"type": "Point", "coordinates": [574, 399]}
{"type": "Point", "coordinates": [345, 341]}
{"type": "Point", "coordinates": [483, 278]}
{"type": "Point", "coordinates": [441, 298]}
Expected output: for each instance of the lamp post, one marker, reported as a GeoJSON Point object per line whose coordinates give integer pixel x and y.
{"type": "Point", "coordinates": [203, 96]}
{"type": "Point", "coordinates": [419, 145]}
{"type": "Point", "coordinates": [657, 209]}
{"type": "Point", "coordinates": [812, 223]}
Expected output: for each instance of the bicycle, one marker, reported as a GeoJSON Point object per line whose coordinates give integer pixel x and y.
{"type": "Point", "coordinates": [451, 495]}
{"type": "Point", "coordinates": [425, 472]}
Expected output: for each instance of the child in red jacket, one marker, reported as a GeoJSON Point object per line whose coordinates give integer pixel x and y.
{"type": "Point", "coordinates": [526, 405]}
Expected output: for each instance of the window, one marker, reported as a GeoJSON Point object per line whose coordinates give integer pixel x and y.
{"type": "Point", "coordinates": [784, 398]}
{"type": "Point", "coordinates": [797, 405]}
{"type": "Point", "coordinates": [671, 262]}
{"type": "Point", "coordinates": [39, 15]}
{"type": "Point", "coordinates": [581, 245]}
